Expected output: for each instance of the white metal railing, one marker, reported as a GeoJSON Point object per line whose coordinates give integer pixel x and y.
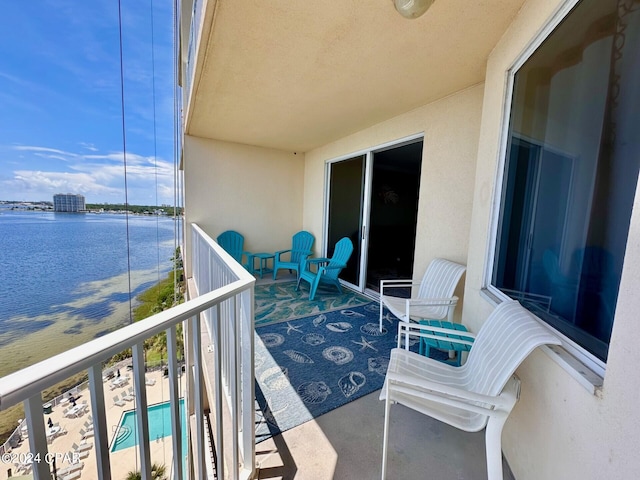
{"type": "Point", "coordinates": [27, 385]}
{"type": "Point", "coordinates": [230, 328]}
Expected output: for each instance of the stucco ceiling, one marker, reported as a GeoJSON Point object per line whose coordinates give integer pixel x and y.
{"type": "Point", "coordinates": [297, 74]}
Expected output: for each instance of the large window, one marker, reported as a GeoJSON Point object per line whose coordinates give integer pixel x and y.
{"type": "Point", "coordinates": [570, 172]}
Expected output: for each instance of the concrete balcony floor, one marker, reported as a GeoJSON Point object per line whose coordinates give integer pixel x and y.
{"type": "Point", "coordinates": [346, 443]}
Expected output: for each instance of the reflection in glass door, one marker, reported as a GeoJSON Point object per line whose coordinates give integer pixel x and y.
{"type": "Point", "coordinates": [346, 203]}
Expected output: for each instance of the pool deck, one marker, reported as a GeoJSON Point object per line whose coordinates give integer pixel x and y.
{"type": "Point", "coordinates": [122, 461]}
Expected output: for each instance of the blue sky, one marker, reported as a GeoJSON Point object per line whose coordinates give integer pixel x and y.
{"type": "Point", "coordinates": [60, 100]}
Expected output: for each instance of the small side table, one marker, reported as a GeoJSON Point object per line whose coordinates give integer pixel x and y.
{"type": "Point", "coordinates": [444, 344]}
{"type": "Point", "coordinates": [263, 258]}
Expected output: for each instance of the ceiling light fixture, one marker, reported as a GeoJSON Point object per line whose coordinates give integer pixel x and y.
{"type": "Point", "coordinates": [412, 8]}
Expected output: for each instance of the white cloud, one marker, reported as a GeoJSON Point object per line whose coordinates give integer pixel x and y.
{"type": "Point", "coordinates": [100, 178]}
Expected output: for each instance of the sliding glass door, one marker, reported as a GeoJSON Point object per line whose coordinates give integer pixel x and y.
{"type": "Point", "coordinates": [373, 200]}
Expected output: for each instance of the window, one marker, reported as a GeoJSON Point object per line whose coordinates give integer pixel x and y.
{"type": "Point", "coordinates": [570, 172]}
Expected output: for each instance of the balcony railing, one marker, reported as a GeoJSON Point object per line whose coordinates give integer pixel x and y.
{"type": "Point", "coordinates": [225, 301]}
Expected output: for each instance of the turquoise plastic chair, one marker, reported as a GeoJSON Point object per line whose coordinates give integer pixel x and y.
{"type": "Point", "coordinates": [233, 244]}
{"type": "Point", "coordinates": [301, 244]}
{"type": "Point", "coordinates": [327, 273]}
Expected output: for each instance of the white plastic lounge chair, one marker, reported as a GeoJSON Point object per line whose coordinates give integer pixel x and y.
{"type": "Point", "coordinates": [73, 475]}
{"type": "Point", "coordinates": [117, 402]}
{"type": "Point", "coordinates": [150, 381]}
{"type": "Point", "coordinates": [481, 393]}
{"type": "Point", "coordinates": [434, 299]}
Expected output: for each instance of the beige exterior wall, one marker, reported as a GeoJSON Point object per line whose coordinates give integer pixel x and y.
{"type": "Point", "coordinates": [255, 191]}
{"type": "Point", "coordinates": [558, 429]}
{"type": "Point", "coordinates": [451, 128]}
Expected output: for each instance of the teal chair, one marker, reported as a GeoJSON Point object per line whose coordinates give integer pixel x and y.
{"type": "Point", "coordinates": [328, 269]}
{"type": "Point", "coordinates": [301, 244]}
{"type": "Point", "coordinates": [233, 244]}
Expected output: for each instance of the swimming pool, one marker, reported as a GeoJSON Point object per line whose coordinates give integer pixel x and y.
{"type": "Point", "coordinates": [159, 426]}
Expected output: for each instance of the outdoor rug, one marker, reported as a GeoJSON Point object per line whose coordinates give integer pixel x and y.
{"type": "Point", "coordinates": [276, 302]}
{"type": "Point", "coordinates": [309, 366]}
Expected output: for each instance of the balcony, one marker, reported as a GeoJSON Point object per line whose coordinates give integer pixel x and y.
{"type": "Point", "coordinates": [217, 385]}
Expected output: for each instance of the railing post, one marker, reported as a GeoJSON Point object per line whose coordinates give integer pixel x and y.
{"type": "Point", "coordinates": [142, 415]}
{"type": "Point", "coordinates": [218, 392]}
{"type": "Point", "coordinates": [198, 394]}
{"type": "Point", "coordinates": [37, 437]}
{"type": "Point", "coordinates": [101, 441]}
{"type": "Point", "coordinates": [234, 385]}
{"type": "Point", "coordinates": [248, 375]}
{"type": "Point", "coordinates": [174, 397]}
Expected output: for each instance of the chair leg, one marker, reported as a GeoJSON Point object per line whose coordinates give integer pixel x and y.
{"type": "Point", "coordinates": [385, 436]}
{"type": "Point", "coordinates": [314, 287]}
{"type": "Point", "coordinates": [493, 440]}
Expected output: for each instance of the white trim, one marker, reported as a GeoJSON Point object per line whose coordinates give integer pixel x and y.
{"type": "Point", "coordinates": [488, 290]}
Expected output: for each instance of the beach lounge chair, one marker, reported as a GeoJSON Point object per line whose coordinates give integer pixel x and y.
{"type": "Point", "coordinates": [127, 397]}
{"type": "Point", "coordinates": [74, 467]}
{"type": "Point", "coordinates": [72, 475]}
{"type": "Point", "coordinates": [150, 381]}
{"type": "Point", "coordinates": [117, 402]}
{"type": "Point", "coordinates": [83, 450]}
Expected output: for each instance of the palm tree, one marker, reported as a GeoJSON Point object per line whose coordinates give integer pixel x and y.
{"type": "Point", "coordinates": [158, 472]}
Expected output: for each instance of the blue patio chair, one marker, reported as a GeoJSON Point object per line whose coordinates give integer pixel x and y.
{"type": "Point", "coordinates": [328, 269]}
{"type": "Point", "coordinates": [301, 244]}
{"type": "Point", "coordinates": [233, 244]}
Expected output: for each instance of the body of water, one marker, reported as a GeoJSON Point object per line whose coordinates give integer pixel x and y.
{"type": "Point", "coordinates": [64, 278]}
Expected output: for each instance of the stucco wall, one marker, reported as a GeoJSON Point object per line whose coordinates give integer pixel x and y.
{"type": "Point", "coordinates": [451, 129]}
{"type": "Point", "coordinates": [558, 429]}
{"type": "Point", "coordinates": [255, 191]}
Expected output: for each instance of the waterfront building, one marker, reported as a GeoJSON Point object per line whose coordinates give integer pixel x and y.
{"type": "Point", "coordinates": [68, 202]}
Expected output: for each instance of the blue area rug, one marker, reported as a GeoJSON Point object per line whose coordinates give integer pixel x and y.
{"type": "Point", "coordinates": [277, 302]}
{"type": "Point", "coordinates": [309, 366]}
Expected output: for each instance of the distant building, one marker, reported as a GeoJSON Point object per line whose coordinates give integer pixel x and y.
{"type": "Point", "coordinates": [68, 202]}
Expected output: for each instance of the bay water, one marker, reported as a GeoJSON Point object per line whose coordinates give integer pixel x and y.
{"type": "Point", "coordinates": [68, 278]}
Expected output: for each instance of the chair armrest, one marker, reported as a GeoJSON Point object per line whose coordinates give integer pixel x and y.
{"type": "Point", "coordinates": [454, 396]}
{"type": "Point", "coordinates": [281, 251]}
{"type": "Point", "coordinates": [334, 266]}
{"type": "Point", "coordinates": [432, 302]}
{"type": "Point", "coordinates": [419, 330]}
{"type": "Point", "coordinates": [319, 260]}
{"type": "Point", "coordinates": [419, 308]}
{"type": "Point", "coordinates": [396, 283]}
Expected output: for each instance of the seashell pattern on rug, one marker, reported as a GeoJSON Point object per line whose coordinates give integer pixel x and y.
{"type": "Point", "coordinates": [313, 392]}
{"type": "Point", "coordinates": [319, 320]}
{"type": "Point", "coordinates": [340, 327]}
{"type": "Point", "coordinates": [275, 378]}
{"type": "Point", "coordinates": [272, 340]}
{"type": "Point", "coordinates": [373, 330]}
{"type": "Point", "coordinates": [338, 355]}
{"type": "Point", "coordinates": [378, 365]}
{"type": "Point", "coordinates": [313, 339]}
{"type": "Point", "coordinates": [351, 383]}
{"type": "Point", "coordinates": [298, 357]}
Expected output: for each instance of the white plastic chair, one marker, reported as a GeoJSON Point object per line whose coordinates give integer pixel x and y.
{"type": "Point", "coordinates": [434, 299]}
{"type": "Point", "coordinates": [479, 394]}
